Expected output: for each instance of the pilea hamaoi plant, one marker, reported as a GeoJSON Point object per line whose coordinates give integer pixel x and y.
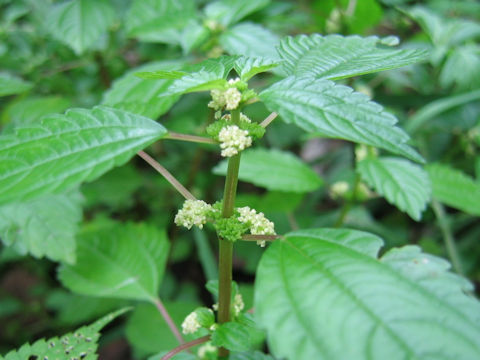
{"type": "Point", "coordinates": [320, 293]}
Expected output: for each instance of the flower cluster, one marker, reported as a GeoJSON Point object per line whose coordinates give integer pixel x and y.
{"type": "Point", "coordinates": [228, 99]}
{"type": "Point", "coordinates": [243, 118]}
{"type": "Point", "coordinates": [257, 222]}
{"type": "Point", "coordinates": [339, 189]}
{"type": "Point", "coordinates": [190, 325]}
{"type": "Point", "coordinates": [205, 350]}
{"type": "Point", "coordinates": [238, 304]}
{"type": "Point", "coordinates": [193, 212]}
{"type": "Point", "coordinates": [201, 317]}
{"type": "Point", "coordinates": [233, 139]}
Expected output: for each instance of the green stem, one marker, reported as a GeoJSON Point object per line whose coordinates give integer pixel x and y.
{"type": "Point", "coordinates": [226, 247]}
{"type": "Point", "coordinates": [447, 236]}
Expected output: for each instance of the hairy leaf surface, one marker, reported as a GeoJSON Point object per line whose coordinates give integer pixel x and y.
{"type": "Point", "coordinates": [141, 96]}
{"type": "Point", "coordinates": [337, 57]}
{"type": "Point", "coordinates": [454, 188]}
{"type": "Point", "coordinates": [274, 170]}
{"type": "Point", "coordinates": [403, 184]}
{"type": "Point", "coordinates": [81, 344]}
{"type": "Point", "coordinates": [203, 76]}
{"type": "Point", "coordinates": [61, 151]}
{"type": "Point", "coordinates": [324, 294]}
{"type": "Point", "coordinates": [247, 67]}
{"type": "Point", "coordinates": [43, 226]}
{"type": "Point", "coordinates": [80, 23]}
{"type": "Point", "coordinates": [336, 111]}
{"type": "Point", "coordinates": [121, 261]}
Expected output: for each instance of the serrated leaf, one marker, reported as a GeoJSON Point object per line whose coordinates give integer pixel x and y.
{"type": "Point", "coordinates": [43, 226]}
{"type": "Point", "coordinates": [323, 294]}
{"type": "Point", "coordinates": [206, 75]}
{"type": "Point", "coordinates": [80, 23]}
{"type": "Point", "coordinates": [337, 57]}
{"type": "Point", "coordinates": [61, 151]}
{"type": "Point", "coordinates": [211, 71]}
{"type": "Point", "coordinates": [119, 261]}
{"type": "Point", "coordinates": [147, 330]}
{"type": "Point", "coordinates": [11, 85]}
{"type": "Point", "coordinates": [247, 67]}
{"type": "Point", "coordinates": [228, 12]}
{"type": "Point", "coordinates": [454, 188]}
{"type": "Point", "coordinates": [403, 184]}
{"type": "Point", "coordinates": [143, 97]}
{"type": "Point", "coordinates": [336, 111]}
{"type": "Point", "coordinates": [232, 336]}
{"type": "Point", "coordinates": [81, 344]}
{"type": "Point", "coordinates": [159, 20]}
{"type": "Point", "coordinates": [250, 39]}
{"type": "Point", "coordinates": [274, 170]}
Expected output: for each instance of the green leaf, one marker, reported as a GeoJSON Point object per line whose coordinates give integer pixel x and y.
{"type": "Point", "coordinates": [211, 71]}
{"type": "Point", "coordinates": [232, 336]}
{"type": "Point", "coordinates": [336, 111]}
{"type": "Point", "coordinates": [147, 330]}
{"type": "Point", "coordinates": [115, 189]}
{"type": "Point", "coordinates": [159, 20]}
{"type": "Point", "coordinates": [247, 67]}
{"type": "Point", "coordinates": [43, 226]}
{"type": "Point", "coordinates": [337, 57]}
{"type": "Point", "coordinates": [274, 170]}
{"type": "Point", "coordinates": [323, 294]}
{"type": "Point", "coordinates": [437, 107]}
{"type": "Point", "coordinates": [228, 12]}
{"type": "Point", "coordinates": [81, 344]}
{"type": "Point", "coordinates": [11, 85]}
{"type": "Point", "coordinates": [454, 188]}
{"type": "Point", "coordinates": [120, 261]}
{"type": "Point", "coordinates": [442, 31]}
{"type": "Point", "coordinates": [194, 34]}
{"type": "Point", "coordinates": [403, 184]}
{"type": "Point", "coordinates": [61, 151]}
{"type": "Point", "coordinates": [253, 355]}
{"type": "Point", "coordinates": [80, 23]}
{"type": "Point", "coordinates": [140, 96]}
{"type": "Point", "coordinates": [71, 309]}
{"type": "Point", "coordinates": [250, 40]}
{"type": "Point", "coordinates": [206, 75]}
{"type": "Point", "coordinates": [466, 58]}
{"type": "Point", "coordinates": [29, 110]}
{"type": "Point", "coordinates": [161, 74]}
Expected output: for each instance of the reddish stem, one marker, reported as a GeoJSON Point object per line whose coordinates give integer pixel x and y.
{"type": "Point", "coordinates": [166, 316]}
{"type": "Point", "coordinates": [185, 346]}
